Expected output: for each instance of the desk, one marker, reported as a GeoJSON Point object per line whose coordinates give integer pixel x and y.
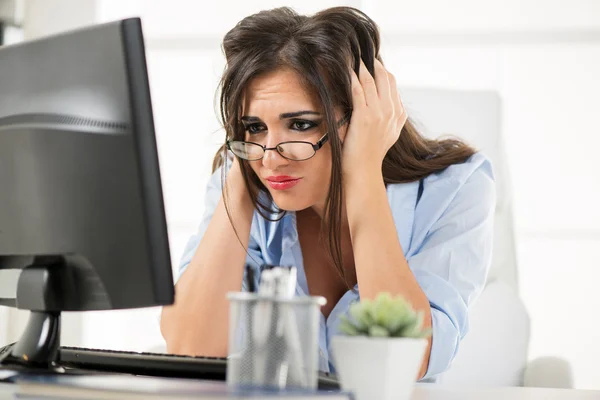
{"type": "Point", "coordinates": [440, 392]}
{"type": "Point", "coordinates": [433, 391]}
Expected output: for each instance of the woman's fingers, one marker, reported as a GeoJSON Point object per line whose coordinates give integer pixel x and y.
{"type": "Point", "coordinates": [379, 92]}
{"type": "Point", "coordinates": [368, 85]}
{"type": "Point", "coordinates": [399, 111]}
{"type": "Point", "coordinates": [358, 94]}
{"type": "Point", "coordinates": [383, 86]}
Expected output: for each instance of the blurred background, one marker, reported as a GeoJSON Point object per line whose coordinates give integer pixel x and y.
{"type": "Point", "coordinates": [541, 57]}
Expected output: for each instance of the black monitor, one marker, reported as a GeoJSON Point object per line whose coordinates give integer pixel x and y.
{"type": "Point", "coordinates": [81, 206]}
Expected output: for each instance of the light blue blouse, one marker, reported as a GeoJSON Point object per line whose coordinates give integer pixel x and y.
{"type": "Point", "coordinates": [446, 237]}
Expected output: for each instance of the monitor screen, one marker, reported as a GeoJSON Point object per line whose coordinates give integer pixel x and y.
{"type": "Point", "coordinates": [81, 206]}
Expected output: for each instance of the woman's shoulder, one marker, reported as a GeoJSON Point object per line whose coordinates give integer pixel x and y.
{"type": "Point", "coordinates": [470, 183]}
{"type": "Point", "coordinates": [462, 192]}
{"type": "Point", "coordinates": [477, 164]}
{"type": "Point", "coordinates": [476, 169]}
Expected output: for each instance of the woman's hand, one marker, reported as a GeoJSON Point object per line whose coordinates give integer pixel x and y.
{"type": "Point", "coordinates": [235, 171]}
{"type": "Point", "coordinates": [235, 181]}
{"type": "Point", "coordinates": [377, 119]}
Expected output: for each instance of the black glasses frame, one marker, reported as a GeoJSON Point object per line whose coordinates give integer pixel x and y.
{"type": "Point", "coordinates": [316, 146]}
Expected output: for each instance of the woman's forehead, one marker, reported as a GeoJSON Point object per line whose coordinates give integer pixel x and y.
{"type": "Point", "coordinates": [281, 88]}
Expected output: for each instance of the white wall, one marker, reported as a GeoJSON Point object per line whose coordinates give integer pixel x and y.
{"type": "Point", "coordinates": [541, 56]}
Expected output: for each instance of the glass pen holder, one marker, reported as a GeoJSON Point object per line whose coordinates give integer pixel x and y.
{"type": "Point", "coordinates": [273, 341]}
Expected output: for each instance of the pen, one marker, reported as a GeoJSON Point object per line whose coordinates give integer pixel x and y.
{"type": "Point", "coordinates": [250, 283]}
{"type": "Point", "coordinates": [246, 366]}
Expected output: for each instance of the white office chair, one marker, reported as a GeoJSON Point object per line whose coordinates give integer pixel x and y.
{"type": "Point", "coordinates": [494, 352]}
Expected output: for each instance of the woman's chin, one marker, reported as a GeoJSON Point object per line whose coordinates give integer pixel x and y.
{"type": "Point", "coordinates": [289, 202]}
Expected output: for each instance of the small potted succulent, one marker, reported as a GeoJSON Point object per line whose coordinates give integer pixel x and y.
{"type": "Point", "coordinates": [381, 351]}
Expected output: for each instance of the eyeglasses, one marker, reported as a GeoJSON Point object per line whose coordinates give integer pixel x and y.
{"type": "Point", "coordinates": [292, 150]}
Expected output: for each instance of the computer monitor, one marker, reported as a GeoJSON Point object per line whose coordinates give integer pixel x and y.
{"type": "Point", "coordinates": [81, 206]}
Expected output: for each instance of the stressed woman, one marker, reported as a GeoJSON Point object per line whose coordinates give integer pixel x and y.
{"type": "Point", "coordinates": [329, 175]}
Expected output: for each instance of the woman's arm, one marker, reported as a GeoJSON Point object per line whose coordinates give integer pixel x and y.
{"type": "Point", "coordinates": [449, 267]}
{"type": "Point", "coordinates": [377, 120]}
{"type": "Point", "coordinates": [450, 250]}
{"type": "Point", "coordinates": [378, 255]}
{"type": "Point", "coordinates": [197, 324]}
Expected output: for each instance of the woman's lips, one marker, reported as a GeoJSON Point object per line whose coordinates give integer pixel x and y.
{"type": "Point", "coordinates": [282, 182]}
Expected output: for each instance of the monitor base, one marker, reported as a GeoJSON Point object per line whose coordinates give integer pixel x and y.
{"type": "Point", "coordinates": [39, 344]}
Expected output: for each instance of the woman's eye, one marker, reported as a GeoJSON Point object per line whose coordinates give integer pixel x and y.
{"type": "Point", "coordinates": [303, 125]}
{"type": "Point", "coordinates": [254, 128]}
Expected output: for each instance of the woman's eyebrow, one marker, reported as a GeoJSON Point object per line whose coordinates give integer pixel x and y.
{"type": "Point", "coordinates": [297, 114]}
{"type": "Point", "coordinates": [247, 118]}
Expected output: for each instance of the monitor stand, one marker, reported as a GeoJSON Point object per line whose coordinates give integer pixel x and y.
{"type": "Point", "coordinates": [38, 347]}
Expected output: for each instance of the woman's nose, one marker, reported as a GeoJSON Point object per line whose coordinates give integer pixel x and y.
{"type": "Point", "coordinates": [272, 159]}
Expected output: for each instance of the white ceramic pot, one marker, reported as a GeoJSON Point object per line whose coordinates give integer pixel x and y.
{"type": "Point", "coordinates": [378, 368]}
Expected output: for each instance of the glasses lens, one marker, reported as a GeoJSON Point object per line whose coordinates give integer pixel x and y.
{"type": "Point", "coordinates": [296, 150]}
{"type": "Point", "coordinates": [247, 151]}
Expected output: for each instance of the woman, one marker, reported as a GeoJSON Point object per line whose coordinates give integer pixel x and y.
{"type": "Point", "coordinates": [331, 176]}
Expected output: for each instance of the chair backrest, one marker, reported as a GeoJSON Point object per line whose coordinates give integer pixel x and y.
{"type": "Point", "coordinates": [476, 117]}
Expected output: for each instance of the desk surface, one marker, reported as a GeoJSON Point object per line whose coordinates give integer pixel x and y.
{"type": "Point", "coordinates": [440, 392]}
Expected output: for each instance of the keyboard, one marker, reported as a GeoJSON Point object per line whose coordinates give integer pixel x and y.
{"type": "Point", "coordinates": [155, 364]}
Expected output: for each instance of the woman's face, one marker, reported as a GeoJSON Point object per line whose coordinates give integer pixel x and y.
{"type": "Point", "coordinates": [278, 108]}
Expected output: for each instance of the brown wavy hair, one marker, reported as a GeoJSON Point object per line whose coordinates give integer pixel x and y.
{"type": "Point", "coordinates": [319, 48]}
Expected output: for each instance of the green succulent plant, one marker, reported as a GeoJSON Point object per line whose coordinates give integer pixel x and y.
{"type": "Point", "coordinates": [384, 317]}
